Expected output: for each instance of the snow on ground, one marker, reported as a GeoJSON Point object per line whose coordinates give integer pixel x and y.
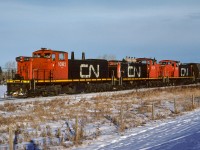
{"type": "Point", "coordinates": [3, 89]}
{"type": "Point", "coordinates": [182, 133]}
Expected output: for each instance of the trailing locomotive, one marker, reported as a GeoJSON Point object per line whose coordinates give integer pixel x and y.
{"type": "Point", "coordinates": [51, 72]}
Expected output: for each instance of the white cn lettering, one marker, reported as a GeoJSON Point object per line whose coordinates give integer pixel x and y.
{"type": "Point", "coordinates": [90, 68]}
{"type": "Point", "coordinates": [62, 64]}
{"type": "Point", "coordinates": [132, 71]}
{"type": "Point", "coordinates": [184, 72]}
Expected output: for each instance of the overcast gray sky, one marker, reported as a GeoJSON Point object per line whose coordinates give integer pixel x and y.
{"type": "Point", "coordinates": [165, 29]}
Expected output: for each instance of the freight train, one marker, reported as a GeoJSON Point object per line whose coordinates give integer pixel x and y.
{"type": "Point", "coordinates": [51, 72]}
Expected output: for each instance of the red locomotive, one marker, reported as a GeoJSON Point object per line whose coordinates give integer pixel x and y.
{"type": "Point", "coordinates": [51, 72]}
{"type": "Point", "coordinates": [45, 64]}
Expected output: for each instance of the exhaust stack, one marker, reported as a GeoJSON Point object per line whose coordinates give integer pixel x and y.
{"type": "Point", "coordinates": [72, 56]}
{"type": "Point", "coordinates": [83, 56]}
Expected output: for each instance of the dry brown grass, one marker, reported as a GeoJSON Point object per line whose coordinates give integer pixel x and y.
{"type": "Point", "coordinates": [121, 110]}
{"type": "Point", "coordinates": [144, 109]}
{"type": "Point", "coordinates": [9, 107]}
{"type": "Point", "coordinates": [187, 106]}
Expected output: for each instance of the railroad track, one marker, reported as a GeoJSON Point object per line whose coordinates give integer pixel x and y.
{"type": "Point", "coordinates": [78, 97]}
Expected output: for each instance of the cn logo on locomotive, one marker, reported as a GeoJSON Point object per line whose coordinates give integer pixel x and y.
{"type": "Point", "coordinates": [89, 69]}
{"type": "Point", "coordinates": [133, 71]}
{"type": "Point", "coordinates": [184, 72]}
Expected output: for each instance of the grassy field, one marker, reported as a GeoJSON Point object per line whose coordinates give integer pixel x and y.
{"type": "Point", "coordinates": [77, 121]}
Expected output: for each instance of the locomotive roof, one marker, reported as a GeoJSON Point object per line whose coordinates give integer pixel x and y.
{"type": "Point", "coordinates": [145, 59]}
{"type": "Point", "coordinates": [169, 61]}
{"type": "Point", "coordinates": [88, 60]}
{"type": "Point", "coordinates": [49, 50]}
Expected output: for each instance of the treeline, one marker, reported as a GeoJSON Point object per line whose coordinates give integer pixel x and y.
{"type": "Point", "coordinates": [7, 72]}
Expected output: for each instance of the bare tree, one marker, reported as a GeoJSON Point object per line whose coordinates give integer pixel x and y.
{"type": "Point", "coordinates": [10, 68]}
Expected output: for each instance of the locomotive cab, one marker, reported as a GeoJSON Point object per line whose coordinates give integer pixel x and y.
{"type": "Point", "coordinates": [169, 68]}
{"type": "Point", "coordinates": [43, 65]}
{"type": "Point", "coordinates": [42, 69]}
{"type": "Point", "coordinates": [152, 67]}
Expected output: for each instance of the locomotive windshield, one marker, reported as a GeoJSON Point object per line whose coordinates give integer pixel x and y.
{"type": "Point", "coordinates": [47, 55]}
{"type": "Point", "coordinates": [39, 55]}
{"type": "Point", "coordinates": [36, 55]}
{"type": "Point", "coordinates": [61, 56]}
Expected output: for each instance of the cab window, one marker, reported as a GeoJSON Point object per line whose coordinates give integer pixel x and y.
{"type": "Point", "coordinates": [47, 55]}
{"type": "Point", "coordinates": [36, 55]}
{"type": "Point", "coordinates": [61, 56]}
{"type": "Point", "coordinates": [53, 57]}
